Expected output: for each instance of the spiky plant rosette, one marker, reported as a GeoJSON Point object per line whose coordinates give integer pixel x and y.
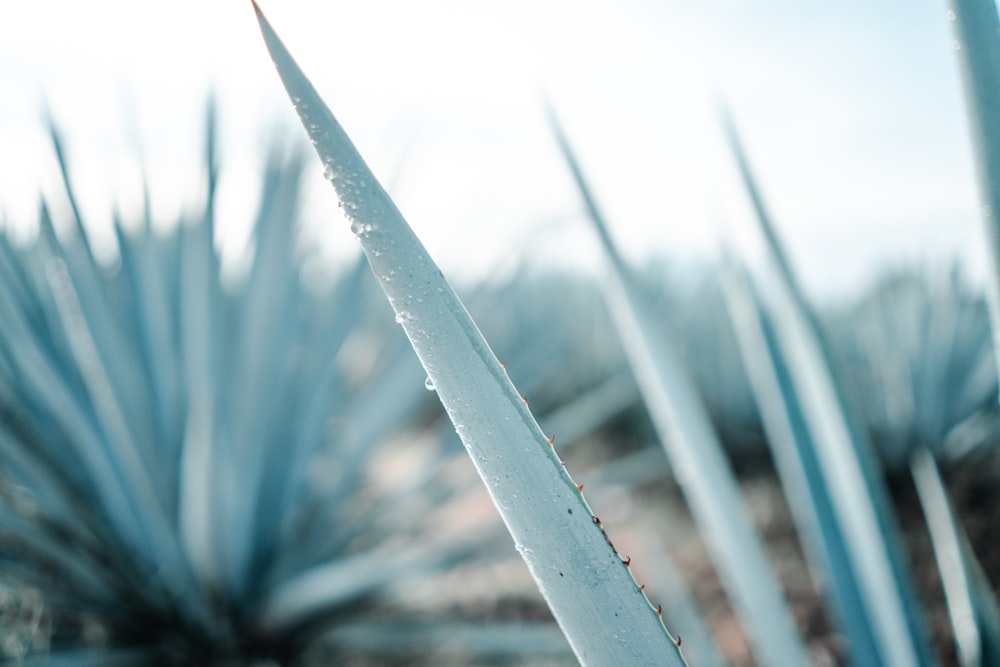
{"type": "Point", "coordinates": [917, 352]}
{"type": "Point", "coordinates": [214, 474]}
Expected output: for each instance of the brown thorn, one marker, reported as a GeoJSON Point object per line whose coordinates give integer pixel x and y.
{"type": "Point", "coordinates": [627, 561]}
{"type": "Point", "coordinates": [678, 641]}
{"type": "Point", "coordinates": [579, 487]}
{"type": "Point", "coordinates": [659, 610]}
{"type": "Point", "coordinates": [552, 440]}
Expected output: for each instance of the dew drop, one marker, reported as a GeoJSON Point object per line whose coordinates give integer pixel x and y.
{"type": "Point", "coordinates": [402, 316]}
{"type": "Point", "coordinates": [951, 15]}
{"type": "Point", "coordinates": [359, 228]}
{"type": "Point", "coordinates": [429, 384]}
{"type": "Point", "coordinates": [329, 173]}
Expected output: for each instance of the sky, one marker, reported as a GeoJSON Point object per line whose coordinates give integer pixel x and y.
{"type": "Point", "coordinates": [851, 113]}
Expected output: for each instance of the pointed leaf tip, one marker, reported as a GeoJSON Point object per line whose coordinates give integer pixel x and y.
{"type": "Point", "coordinates": [479, 396]}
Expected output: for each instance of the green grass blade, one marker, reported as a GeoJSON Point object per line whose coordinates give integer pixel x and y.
{"type": "Point", "coordinates": [977, 35]}
{"type": "Point", "coordinates": [696, 454]}
{"type": "Point", "coordinates": [848, 461]}
{"type": "Point", "coordinates": [606, 617]}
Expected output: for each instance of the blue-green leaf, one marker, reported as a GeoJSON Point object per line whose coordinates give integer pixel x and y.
{"type": "Point", "coordinates": [695, 453]}
{"type": "Point", "coordinates": [847, 460]}
{"type": "Point", "coordinates": [596, 601]}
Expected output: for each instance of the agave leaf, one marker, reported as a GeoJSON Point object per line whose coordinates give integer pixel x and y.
{"type": "Point", "coordinates": [41, 385]}
{"type": "Point", "coordinates": [111, 354]}
{"type": "Point", "coordinates": [286, 467]}
{"type": "Point", "coordinates": [606, 617]}
{"type": "Point", "coordinates": [129, 461]}
{"type": "Point", "coordinates": [795, 459]}
{"type": "Point", "coordinates": [679, 606]}
{"type": "Point", "coordinates": [60, 154]}
{"type": "Point", "coordinates": [918, 354]}
{"type": "Point", "coordinates": [976, 27]}
{"type": "Point", "coordinates": [70, 561]}
{"type": "Point", "coordinates": [973, 611]}
{"type": "Point", "coordinates": [208, 512]}
{"type": "Point", "coordinates": [395, 396]}
{"type": "Point", "coordinates": [847, 460]}
{"type": "Point", "coordinates": [12, 277]}
{"type": "Point", "coordinates": [695, 452]}
{"type": "Point", "coordinates": [331, 584]}
{"type": "Point", "coordinates": [53, 493]}
{"type": "Point", "coordinates": [135, 470]}
{"type": "Point", "coordinates": [142, 273]}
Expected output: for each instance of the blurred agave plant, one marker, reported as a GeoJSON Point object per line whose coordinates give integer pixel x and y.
{"type": "Point", "coordinates": [919, 355]}
{"type": "Point", "coordinates": [202, 472]}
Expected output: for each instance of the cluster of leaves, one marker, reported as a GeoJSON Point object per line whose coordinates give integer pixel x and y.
{"type": "Point", "coordinates": [201, 472]}
{"type": "Point", "coordinates": [215, 474]}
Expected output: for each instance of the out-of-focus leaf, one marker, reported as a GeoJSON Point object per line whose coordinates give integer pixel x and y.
{"type": "Point", "coordinates": [695, 453]}
{"type": "Point", "coordinates": [977, 42]}
{"type": "Point", "coordinates": [846, 459]}
{"type": "Point", "coordinates": [973, 611]}
{"type": "Point", "coordinates": [795, 458]}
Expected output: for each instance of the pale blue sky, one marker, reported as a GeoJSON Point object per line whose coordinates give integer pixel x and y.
{"type": "Point", "coordinates": [851, 112]}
